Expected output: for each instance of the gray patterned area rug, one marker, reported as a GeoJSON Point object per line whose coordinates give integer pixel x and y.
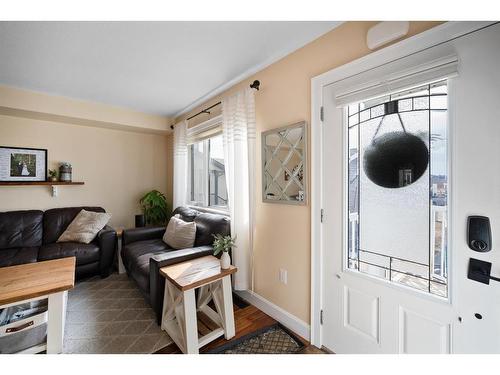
{"type": "Point", "coordinates": [272, 340]}
{"type": "Point", "coordinates": [111, 316]}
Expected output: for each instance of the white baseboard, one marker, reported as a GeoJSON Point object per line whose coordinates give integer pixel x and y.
{"type": "Point", "coordinates": [290, 321]}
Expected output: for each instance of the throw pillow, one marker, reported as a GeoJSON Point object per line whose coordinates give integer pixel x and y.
{"type": "Point", "coordinates": [85, 227]}
{"type": "Point", "coordinates": [180, 234]}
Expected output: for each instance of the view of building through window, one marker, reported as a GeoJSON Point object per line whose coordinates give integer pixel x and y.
{"type": "Point", "coordinates": [207, 173]}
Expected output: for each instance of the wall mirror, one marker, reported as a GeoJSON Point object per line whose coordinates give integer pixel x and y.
{"type": "Point", "coordinates": [284, 163]}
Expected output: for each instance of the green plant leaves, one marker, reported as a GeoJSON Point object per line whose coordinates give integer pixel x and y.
{"type": "Point", "coordinates": [223, 243]}
{"type": "Point", "coordinates": [155, 208]}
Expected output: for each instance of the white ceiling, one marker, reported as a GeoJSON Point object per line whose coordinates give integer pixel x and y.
{"type": "Point", "coordinates": [155, 67]}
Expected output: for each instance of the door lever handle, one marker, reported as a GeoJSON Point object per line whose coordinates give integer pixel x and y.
{"type": "Point", "coordinates": [480, 271]}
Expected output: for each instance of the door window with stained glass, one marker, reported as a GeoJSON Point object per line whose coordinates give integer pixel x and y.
{"type": "Point", "coordinates": [398, 187]}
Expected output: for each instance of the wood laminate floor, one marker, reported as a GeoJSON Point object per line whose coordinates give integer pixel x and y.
{"type": "Point", "coordinates": [247, 320]}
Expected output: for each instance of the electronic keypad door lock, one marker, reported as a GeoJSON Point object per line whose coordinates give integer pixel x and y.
{"type": "Point", "coordinates": [479, 233]}
{"type": "Point", "coordinates": [480, 271]}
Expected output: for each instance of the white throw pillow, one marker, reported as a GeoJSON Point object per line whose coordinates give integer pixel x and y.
{"type": "Point", "coordinates": [180, 234]}
{"type": "Point", "coordinates": [85, 227]}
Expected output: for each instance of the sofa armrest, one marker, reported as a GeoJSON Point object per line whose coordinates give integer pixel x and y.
{"type": "Point", "coordinates": [106, 240]}
{"type": "Point", "coordinates": [157, 282]}
{"type": "Point", "coordinates": [142, 234]}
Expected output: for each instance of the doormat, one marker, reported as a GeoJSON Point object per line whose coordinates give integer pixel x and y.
{"type": "Point", "coordinates": [275, 339]}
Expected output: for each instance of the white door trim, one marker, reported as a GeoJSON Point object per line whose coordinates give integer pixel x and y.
{"type": "Point", "coordinates": [419, 42]}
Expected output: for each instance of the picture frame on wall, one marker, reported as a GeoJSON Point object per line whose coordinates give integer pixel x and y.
{"type": "Point", "coordinates": [23, 164]}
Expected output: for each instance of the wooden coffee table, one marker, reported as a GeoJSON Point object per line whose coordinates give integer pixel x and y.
{"type": "Point", "coordinates": [179, 318]}
{"type": "Point", "coordinates": [50, 280]}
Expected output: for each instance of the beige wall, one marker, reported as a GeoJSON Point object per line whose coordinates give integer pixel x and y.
{"type": "Point", "coordinates": [282, 233]}
{"type": "Point", "coordinates": [117, 166]}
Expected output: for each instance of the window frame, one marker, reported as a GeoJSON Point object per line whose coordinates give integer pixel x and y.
{"type": "Point", "coordinates": [203, 132]}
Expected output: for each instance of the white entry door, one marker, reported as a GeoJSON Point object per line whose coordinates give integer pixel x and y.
{"type": "Point", "coordinates": [394, 241]}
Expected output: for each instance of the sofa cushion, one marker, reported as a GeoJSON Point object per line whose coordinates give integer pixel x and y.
{"type": "Point", "coordinates": [186, 213]}
{"type": "Point", "coordinates": [136, 258]}
{"type": "Point", "coordinates": [55, 221]}
{"type": "Point", "coordinates": [84, 253]}
{"type": "Point", "coordinates": [20, 229]}
{"type": "Point", "coordinates": [135, 249]}
{"type": "Point", "coordinates": [20, 255]}
{"type": "Point", "coordinates": [209, 224]}
{"type": "Point", "coordinates": [84, 227]}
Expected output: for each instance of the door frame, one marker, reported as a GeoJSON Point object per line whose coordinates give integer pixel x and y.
{"type": "Point", "coordinates": [432, 37]}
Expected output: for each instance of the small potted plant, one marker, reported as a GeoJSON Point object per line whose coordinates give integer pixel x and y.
{"type": "Point", "coordinates": [224, 244]}
{"type": "Point", "coordinates": [53, 175]}
{"type": "Point", "coordinates": [155, 208]}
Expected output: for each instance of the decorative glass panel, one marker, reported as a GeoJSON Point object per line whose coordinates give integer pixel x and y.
{"type": "Point", "coordinates": [398, 188]}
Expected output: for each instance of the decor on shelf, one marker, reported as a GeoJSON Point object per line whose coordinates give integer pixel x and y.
{"type": "Point", "coordinates": [155, 208]}
{"type": "Point", "coordinates": [19, 164]}
{"type": "Point", "coordinates": [284, 163]}
{"type": "Point", "coordinates": [53, 175]}
{"type": "Point", "coordinates": [223, 244]}
{"type": "Point", "coordinates": [65, 172]}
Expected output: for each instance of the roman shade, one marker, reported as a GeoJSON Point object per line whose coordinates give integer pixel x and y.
{"type": "Point", "coordinates": [205, 130]}
{"type": "Point", "coordinates": [423, 67]}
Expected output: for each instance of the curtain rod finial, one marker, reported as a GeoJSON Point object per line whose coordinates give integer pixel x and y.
{"type": "Point", "coordinates": [255, 85]}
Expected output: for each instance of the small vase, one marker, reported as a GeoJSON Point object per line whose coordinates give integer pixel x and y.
{"type": "Point", "coordinates": [225, 260]}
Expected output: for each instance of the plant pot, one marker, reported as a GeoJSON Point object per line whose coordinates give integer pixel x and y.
{"type": "Point", "coordinates": [225, 261]}
{"type": "Point", "coordinates": [140, 221]}
{"type": "Point", "coordinates": [53, 179]}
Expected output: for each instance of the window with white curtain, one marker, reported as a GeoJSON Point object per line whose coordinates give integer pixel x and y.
{"type": "Point", "coordinates": [207, 176]}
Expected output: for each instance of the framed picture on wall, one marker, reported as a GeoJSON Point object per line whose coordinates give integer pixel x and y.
{"type": "Point", "coordinates": [18, 164]}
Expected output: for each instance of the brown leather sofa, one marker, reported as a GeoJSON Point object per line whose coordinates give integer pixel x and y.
{"type": "Point", "coordinates": [30, 236]}
{"type": "Point", "coordinates": [144, 252]}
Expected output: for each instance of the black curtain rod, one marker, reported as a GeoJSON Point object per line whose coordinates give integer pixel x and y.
{"type": "Point", "coordinates": [255, 85]}
{"type": "Point", "coordinates": [206, 110]}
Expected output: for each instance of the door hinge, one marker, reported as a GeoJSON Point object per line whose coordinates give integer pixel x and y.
{"type": "Point", "coordinates": [321, 114]}
{"type": "Point", "coordinates": [322, 215]}
{"type": "Point", "coordinates": [321, 317]}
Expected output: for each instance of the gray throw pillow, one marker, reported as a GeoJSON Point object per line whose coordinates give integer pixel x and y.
{"type": "Point", "coordinates": [180, 234]}
{"type": "Point", "coordinates": [85, 227]}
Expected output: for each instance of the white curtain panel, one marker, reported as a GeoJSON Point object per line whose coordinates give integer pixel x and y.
{"type": "Point", "coordinates": [238, 130]}
{"type": "Point", "coordinates": [180, 165]}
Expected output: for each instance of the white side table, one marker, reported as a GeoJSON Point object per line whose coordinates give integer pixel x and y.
{"type": "Point", "coordinates": [179, 306]}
